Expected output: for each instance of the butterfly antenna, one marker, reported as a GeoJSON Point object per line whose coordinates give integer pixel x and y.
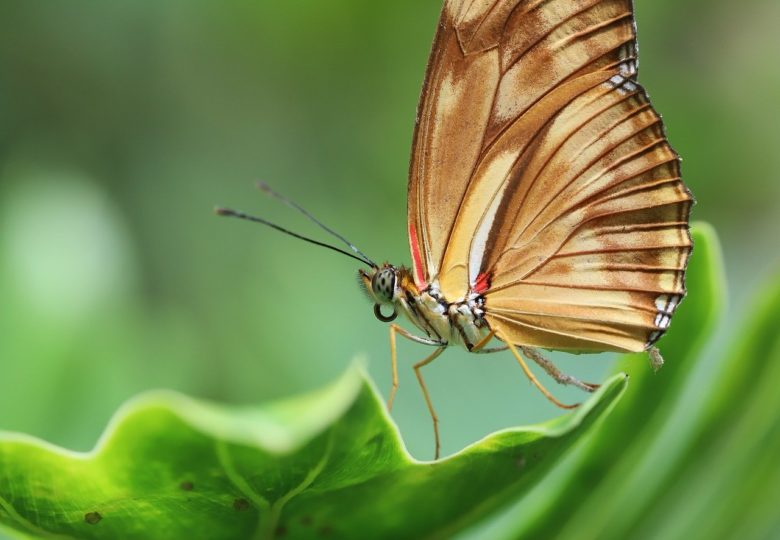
{"type": "Point", "coordinates": [241, 215]}
{"type": "Point", "coordinates": [265, 188]}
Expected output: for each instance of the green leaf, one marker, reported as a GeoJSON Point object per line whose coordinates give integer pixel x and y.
{"type": "Point", "coordinates": [736, 433]}
{"type": "Point", "coordinates": [326, 464]}
{"type": "Point", "coordinates": [597, 485]}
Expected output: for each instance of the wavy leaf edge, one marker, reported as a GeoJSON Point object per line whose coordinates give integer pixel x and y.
{"type": "Point", "coordinates": [230, 422]}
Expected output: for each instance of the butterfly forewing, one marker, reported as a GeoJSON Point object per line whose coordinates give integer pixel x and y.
{"type": "Point", "coordinates": [453, 115]}
{"type": "Point", "coordinates": [541, 176]}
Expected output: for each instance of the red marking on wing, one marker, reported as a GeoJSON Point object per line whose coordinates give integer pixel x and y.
{"type": "Point", "coordinates": [482, 284]}
{"type": "Point", "coordinates": [419, 278]}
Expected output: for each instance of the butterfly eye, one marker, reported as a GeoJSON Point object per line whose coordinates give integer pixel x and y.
{"type": "Point", "coordinates": [384, 284]}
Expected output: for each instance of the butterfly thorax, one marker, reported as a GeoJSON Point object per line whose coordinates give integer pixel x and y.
{"type": "Point", "coordinates": [459, 322]}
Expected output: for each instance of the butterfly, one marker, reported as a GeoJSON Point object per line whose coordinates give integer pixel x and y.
{"type": "Point", "coordinates": [546, 209]}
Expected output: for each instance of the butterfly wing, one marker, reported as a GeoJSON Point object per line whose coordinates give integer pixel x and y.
{"type": "Point", "coordinates": [453, 114]}
{"type": "Point", "coordinates": [571, 218]}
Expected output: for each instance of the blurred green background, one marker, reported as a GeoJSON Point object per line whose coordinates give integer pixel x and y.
{"type": "Point", "coordinates": [123, 123]}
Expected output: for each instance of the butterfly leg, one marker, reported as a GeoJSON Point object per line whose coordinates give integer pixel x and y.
{"type": "Point", "coordinates": [533, 378]}
{"type": "Point", "coordinates": [556, 373]}
{"type": "Point", "coordinates": [417, 367]}
{"type": "Point", "coordinates": [395, 329]}
{"type": "Point", "coordinates": [479, 347]}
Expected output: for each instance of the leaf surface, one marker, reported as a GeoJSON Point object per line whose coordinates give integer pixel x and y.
{"type": "Point", "coordinates": [329, 464]}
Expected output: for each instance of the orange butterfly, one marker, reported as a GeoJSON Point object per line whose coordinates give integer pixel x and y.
{"type": "Point", "coordinates": [545, 206]}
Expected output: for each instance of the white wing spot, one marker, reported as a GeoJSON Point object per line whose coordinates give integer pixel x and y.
{"type": "Point", "coordinates": [652, 339]}
{"type": "Point", "coordinates": [665, 320]}
{"type": "Point", "coordinates": [666, 303]}
{"type": "Point", "coordinates": [622, 85]}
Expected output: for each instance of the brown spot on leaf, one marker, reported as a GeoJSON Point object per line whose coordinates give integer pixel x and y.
{"type": "Point", "coordinates": [306, 521]}
{"type": "Point", "coordinates": [376, 440]}
{"type": "Point", "coordinates": [241, 504]}
{"type": "Point", "coordinates": [187, 486]}
{"type": "Point", "coordinates": [520, 462]}
{"type": "Point", "coordinates": [281, 531]}
{"type": "Point", "coordinates": [325, 530]}
{"type": "Point", "coordinates": [92, 517]}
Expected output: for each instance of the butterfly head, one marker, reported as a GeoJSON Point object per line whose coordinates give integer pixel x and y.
{"type": "Point", "coordinates": [381, 284]}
